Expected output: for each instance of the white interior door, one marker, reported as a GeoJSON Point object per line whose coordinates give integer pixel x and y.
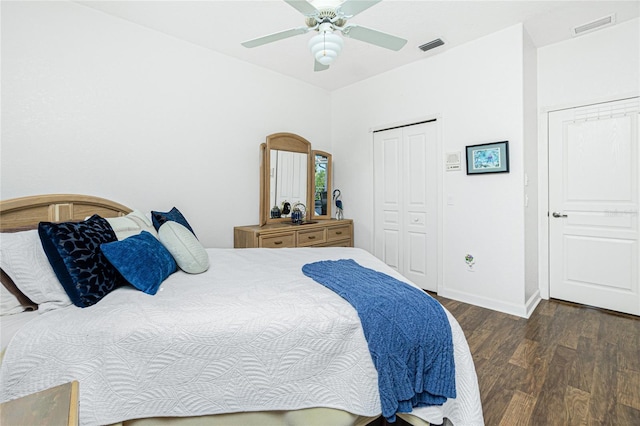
{"type": "Point", "coordinates": [405, 206]}
{"type": "Point", "coordinates": [593, 203]}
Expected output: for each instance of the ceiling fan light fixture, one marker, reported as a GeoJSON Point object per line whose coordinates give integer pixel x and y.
{"type": "Point", "coordinates": [326, 46]}
{"type": "Point", "coordinates": [326, 57]}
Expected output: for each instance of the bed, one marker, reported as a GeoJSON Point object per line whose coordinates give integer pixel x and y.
{"type": "Point", "coordinates": [250, 340]}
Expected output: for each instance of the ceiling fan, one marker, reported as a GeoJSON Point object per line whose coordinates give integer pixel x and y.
{"type": "Point", "coordinates": [328, 18]}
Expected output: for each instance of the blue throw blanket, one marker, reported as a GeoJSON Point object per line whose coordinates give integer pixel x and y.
{"type": "Point", "coordinates": [407, 331]}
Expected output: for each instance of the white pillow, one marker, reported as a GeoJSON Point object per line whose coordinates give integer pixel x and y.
{"type": "Point", "coordinates": [131, 224]}
{"type": "Point", "coordinates": [185, 248]}
{"type": "Point", "coordinates": [9, 304]}
{"type": "Point", "coordinates": [23, 259]}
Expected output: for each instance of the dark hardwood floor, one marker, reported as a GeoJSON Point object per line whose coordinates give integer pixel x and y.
{"type": "Point", "coordinates": [566, 365]}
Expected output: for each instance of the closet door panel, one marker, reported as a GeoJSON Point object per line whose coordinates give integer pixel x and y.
{"type": "Point", "coordinates": [391, 173]}
{"type": "Point", "coordinates": [416, 258]}
{"type": "Point", "coordinates": [418, 148]}
{"type": "Point", "coordinates": [388, 213]}
{"type": "Point", "coordinates": [415, 172]}
{"type": "Point", "coordinates": [390, 249]}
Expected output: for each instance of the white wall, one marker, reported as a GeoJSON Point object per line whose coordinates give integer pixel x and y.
{"type": "Point", "coordinates": [602, 65]}
{"type": "Point", "coordinates": [96, 105]}
{"type": "Point", "coordinates": [477, 90]}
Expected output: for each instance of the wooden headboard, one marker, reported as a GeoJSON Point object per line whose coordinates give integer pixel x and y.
{"type": "Point", "coordinates": [27, 212]}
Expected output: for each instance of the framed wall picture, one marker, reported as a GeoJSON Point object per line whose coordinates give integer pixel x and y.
{"type": "Point", "coordinates": [488, 158]}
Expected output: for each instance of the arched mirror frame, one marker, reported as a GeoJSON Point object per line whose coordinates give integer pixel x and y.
{"type": "Point", "coordinates": [329, 173]}
{"type": "Point", "coordinates": [284, 142]}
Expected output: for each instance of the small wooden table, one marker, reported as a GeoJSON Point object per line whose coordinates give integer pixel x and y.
{"type": "Point", "coordinates": [54, 406]}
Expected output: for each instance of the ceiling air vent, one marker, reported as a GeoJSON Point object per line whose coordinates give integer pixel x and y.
{"type": "Point", "coordinates": [431, 45]}
{"type": "Point", "coordinates": [594, 25]}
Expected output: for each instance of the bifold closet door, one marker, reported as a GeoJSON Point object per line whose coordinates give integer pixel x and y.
{"type": "Point", "coordinates": [405, 201]}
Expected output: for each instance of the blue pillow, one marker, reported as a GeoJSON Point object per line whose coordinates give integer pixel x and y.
{"type": "Point", "coordinates": [158, 218]}
{"type": "Point", "coordinates": [142, 260]}
{"type": "Point", "coordinates": [73, 250]}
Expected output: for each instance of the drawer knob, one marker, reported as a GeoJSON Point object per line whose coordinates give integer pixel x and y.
{"type": "Point", "coordinates": [277, 243]}
{"type": "Point", "coordinates": [312, 237]}
{"type": "Point", "coordinates": [338, 232]}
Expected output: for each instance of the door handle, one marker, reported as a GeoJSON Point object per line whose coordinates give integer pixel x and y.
{"type": "Point", "coordinates": [556, 214]}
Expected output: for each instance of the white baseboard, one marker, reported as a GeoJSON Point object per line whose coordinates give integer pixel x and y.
{"type": "Point", "coordinates": [532, 303]}
{"type": "Point", "coordinates": [525, 310]}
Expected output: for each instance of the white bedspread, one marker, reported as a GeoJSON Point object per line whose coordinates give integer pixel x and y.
{"type": "Point", "coordinates": [251, 334]}
{"type": "Point", "coordinates": [11, 324]}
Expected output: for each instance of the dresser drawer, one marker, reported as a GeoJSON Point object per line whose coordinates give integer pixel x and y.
{"type": "Point", "coordinates": [311, 237]}
{"type": "Point", "coordinates": [320, 233]}
{"type": "Point", "coordinates": [341, 243]}
{"type": "Point", "coordinates": [338, 233]}
{"type": "Point", "coordinates": [277, 241]}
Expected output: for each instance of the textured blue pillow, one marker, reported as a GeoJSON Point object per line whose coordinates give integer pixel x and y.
{"type": "Point", "coordinates": [158, 218]}
{"type": "Point", "coordinates": [73, 249]}
{"type": "Point", "coordinates": [142, 260]}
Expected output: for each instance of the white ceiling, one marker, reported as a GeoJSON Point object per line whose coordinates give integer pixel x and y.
{"type": "Point", "coordinates": [222, 25]}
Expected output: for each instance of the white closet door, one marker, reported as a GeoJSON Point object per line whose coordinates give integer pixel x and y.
{"type": "Point", "coordinates": [405, 174]}
{"type": "Point", "coordinates": [419, 205]}
{"type": "Point", "coordinates": [387, 194]}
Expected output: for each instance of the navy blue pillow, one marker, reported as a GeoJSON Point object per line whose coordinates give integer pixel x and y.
{"type": "Point", "coordinates": [73, 249]}
{"type": "Point", "coordinates": [142, 260]}
{"type": "Point", "coordinates": [158, 218]}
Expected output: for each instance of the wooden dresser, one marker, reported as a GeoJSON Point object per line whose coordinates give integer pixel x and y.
{"type": "Point", "coordinates": [321, 233]}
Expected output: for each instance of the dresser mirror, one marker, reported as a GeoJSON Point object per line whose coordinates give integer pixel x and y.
{"type": "Point", "coordinates": [285, 177]}
{"type": "Point", "coordinates": [322, 185]}
{"type": "Point", "coordinates": [290, 173]}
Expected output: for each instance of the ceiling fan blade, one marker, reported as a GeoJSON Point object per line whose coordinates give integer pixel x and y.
{"type": "Point", "coordinates": [351, 8]}
{"type": "Point", "coordinates": [275, 37]}
{"type": "Point", "coordinates": [304, 7]}
{"type": "Point", "coordinates": [317, 66]}
{"type": "Point", "coordinates": [378, 38]}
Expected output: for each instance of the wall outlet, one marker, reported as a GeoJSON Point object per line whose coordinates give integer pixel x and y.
{"type": "Point", "coordinates": [470, 261]}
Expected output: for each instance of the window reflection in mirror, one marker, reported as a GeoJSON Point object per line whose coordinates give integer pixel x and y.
{"type": "Point", "coordinates": [322, 184]}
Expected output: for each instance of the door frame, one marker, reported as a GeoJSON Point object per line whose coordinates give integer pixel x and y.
{"type": "Point", "coordinates": [439, 185]}
{"type": "Point", "coordinates": [543, 183]}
